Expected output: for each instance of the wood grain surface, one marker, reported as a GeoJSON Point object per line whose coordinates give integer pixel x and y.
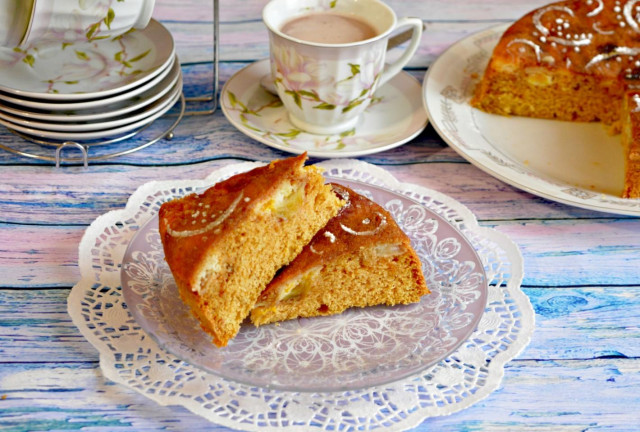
{"type": "Point", "coordinates": [580, 372]}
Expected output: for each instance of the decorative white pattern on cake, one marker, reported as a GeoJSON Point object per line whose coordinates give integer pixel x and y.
{"type": "Point", "coordinates": [211, 225]}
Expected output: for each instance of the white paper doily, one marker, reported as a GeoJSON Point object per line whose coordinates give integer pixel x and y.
{"type": "Point", "coordinates": [129, 356]}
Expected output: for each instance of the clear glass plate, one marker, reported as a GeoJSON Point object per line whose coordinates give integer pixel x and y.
{"type": "Point", "coordinates": [357, 349]}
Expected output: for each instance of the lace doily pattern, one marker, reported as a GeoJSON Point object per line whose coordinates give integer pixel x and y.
{"type": "Point", "coordinates": [131, 357]}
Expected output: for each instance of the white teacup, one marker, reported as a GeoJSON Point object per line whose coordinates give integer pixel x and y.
{"type": "Point", "coordinates": [85, 20]}
{"type": "Point", "coordinates": [325, 86]}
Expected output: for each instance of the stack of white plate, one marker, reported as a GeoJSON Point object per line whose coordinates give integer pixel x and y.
{"type": "Point", "coordinates": [90, 91]}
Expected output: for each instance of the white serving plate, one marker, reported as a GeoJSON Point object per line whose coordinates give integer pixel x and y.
{"type": "Point", "coordinates": [92, 135]}
{"type": "Point", "coordinates": [100, 124]}
{"type": "Point", "coordinates": [43, 104]}
{"type": "Point", "coordinates": [578, 164]}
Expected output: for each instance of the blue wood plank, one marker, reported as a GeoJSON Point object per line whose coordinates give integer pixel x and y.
{"type": "Point", "coordinates": [571, 253]}
{"type": "Point", "coordinates": [210, 137]}
{"type": "Point", "coordinates": [585, 323]}
{"type": "Point", "coordinates": [571, 324]}
{"type": "Point", "coordinates": [534, 395]}
{"type": "Point", "coordinates": [582, 269]}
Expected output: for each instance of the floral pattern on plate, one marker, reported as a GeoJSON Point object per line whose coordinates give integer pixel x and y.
{"type": "Point", "coordinates": [61, 71]}
{"type": "Point", "coordinates": [133, 100]}
{"type": "Point", "coordinates": [395, 116]}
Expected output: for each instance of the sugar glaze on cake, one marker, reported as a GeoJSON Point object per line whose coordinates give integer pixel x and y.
{"type": "Point", "coordinates": [571, 60]}
{"type": "Point", "coordinates": [581, 36]}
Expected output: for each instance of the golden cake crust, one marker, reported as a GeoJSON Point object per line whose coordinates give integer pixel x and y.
{"type": "Point", "coordinates": [205, 218]}
{"type": "Point", "coordinates": [599, 37]}
{"type": "Point", "coordinates": [631, 142]}
{"type": "Point", "coordinates": [570, 60]}
{"type": "Point", "coordinates": [360, 258]}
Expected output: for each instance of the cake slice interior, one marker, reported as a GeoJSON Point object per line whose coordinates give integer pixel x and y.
{"type": "Point", "coordinates": [360, 258]}
{"type": "Point", "coordinates": [631, 143]}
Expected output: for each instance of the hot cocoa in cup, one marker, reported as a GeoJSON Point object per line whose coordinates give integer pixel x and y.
{"type": "Point", "coordinates": [329, 28]}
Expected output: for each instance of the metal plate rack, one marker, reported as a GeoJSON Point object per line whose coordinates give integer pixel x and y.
{"type": "Point", "coordinates": [56, 149]}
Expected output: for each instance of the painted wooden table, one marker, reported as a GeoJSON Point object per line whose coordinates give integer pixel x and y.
{"type": "Point", "coordinates": [581, 370]}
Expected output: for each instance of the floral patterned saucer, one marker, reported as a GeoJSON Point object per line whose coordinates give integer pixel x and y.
{"type": "Point", "coordinates": [29, 125]}
{"type": "Point", "coordinates": [89, 70]}
{"type": "Point", "coordinates": [95, 110]}
{"type": "Point", "coordinates": [104, 103]}
{"type": "Point", "coordinates": [131, 123]}
{"type": "Point", "coordinates": [395, 116]}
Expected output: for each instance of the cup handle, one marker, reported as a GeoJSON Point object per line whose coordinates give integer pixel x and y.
{"type": "Point", "coordinates": [395, 67]}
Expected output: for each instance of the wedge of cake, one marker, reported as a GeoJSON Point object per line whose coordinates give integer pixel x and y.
{"type": "Point", "coordinates": [360, 258]}
{"type": "Point", "coordinates": [223, 246]}
{"type": "Point", "coordinates": [631, 142]}
{"type": "Point", "coordinates": [570, 60]}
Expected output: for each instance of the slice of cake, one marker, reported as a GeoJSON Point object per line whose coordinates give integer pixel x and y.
{"type": "Point", "coordinates": [360, 258]}
{"type": "Point", "coordinates": [571, 60]}
{"type": "Point", "coordinates": [224, 245]}
{"type": "Point", "coordinates": [631, 142]}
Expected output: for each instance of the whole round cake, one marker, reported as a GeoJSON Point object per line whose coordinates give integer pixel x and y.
{"type": "Point", "coordinates": [574, 61]}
